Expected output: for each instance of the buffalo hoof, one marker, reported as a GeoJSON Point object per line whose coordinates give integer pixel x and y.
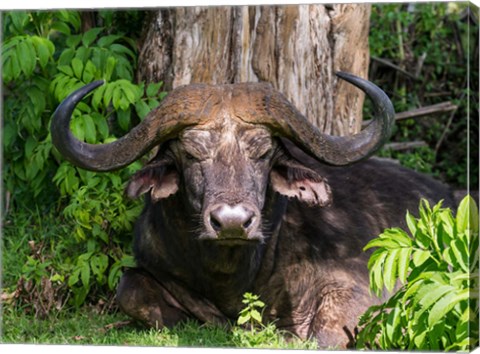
{"type": "Point", "coordinates": [141, 297]}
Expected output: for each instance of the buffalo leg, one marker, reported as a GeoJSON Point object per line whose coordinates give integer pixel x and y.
{"type": "Point", "coordinates": [143, 298]}
{"type": "Point", "coordinates": [335, 323]}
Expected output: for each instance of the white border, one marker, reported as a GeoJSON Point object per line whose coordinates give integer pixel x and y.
{"type": "Point", "coordinates": [123, 4]}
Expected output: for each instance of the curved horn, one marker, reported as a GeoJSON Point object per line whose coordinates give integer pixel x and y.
{"type": "Point", "coordinates": [158, 126]}
{"type": "Point", "coordinates": [288, 122]}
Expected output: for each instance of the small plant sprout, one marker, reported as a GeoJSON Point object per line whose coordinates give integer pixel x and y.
{"type": "Point", "coordinates": [250, 312]}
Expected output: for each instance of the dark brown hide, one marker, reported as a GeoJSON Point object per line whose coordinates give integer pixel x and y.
{"type": "Point", "coordinates": [306, 262]}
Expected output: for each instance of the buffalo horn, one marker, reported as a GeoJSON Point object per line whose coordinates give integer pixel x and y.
{"type": "Point", "coordinates": [286, 121]}
{"type": "Point", "coordinates": [142, 138]}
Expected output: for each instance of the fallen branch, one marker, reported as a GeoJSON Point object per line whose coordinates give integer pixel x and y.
{"type": "Point", "coordinates": [438, 108]}
{"type": "Point", "coordinates": [427, 110]}
{"type": "Point", "coordinates": [405, 146]}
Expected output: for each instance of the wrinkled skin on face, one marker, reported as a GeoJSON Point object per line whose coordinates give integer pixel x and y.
{"type": "Point", "coordinates": [224, 170]}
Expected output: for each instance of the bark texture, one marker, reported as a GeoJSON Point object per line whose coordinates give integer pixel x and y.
{"type": "Point", "coordinates": [297, 48]}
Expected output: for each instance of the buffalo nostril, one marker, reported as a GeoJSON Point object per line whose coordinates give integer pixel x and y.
{"type": "Point", "coordinates": [248, 223]}
{"type": "Point", "coordinates": [216, 225]}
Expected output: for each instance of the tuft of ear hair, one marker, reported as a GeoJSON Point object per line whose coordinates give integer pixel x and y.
{"type": "Point", "coordinates": [159, 178]}
{"type": "Point", "coordinates": [294, 180]}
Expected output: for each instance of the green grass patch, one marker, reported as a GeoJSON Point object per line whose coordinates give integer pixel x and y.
{"type": "Point", "coordinates": [88, 327]}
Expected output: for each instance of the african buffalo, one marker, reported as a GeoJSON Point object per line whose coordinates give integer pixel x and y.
{"type": "Point", "coordinates": [245, 195]}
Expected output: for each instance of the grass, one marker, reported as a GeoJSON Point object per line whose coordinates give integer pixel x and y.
{"type": "Point", "coordinates": [85, 325]}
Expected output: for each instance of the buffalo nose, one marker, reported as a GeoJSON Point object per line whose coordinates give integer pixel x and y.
{"type": "Point", "coordinates": [232, 221]}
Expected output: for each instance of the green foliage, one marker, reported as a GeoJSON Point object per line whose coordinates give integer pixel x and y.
{"type": "Point", "coordinates": [436, 270]}
{"type": "Point", "coordinates": [259, 334]}
{"type": "Point", "coordinates": [250, 312]}
{"type": "Point", "coordinates": [435, 45]}
{"type": "Point", "coordinates": [45, 57]}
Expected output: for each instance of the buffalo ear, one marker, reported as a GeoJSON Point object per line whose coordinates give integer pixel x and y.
{"type": "Point", "coordinates": [159, 178]}
{"type": "Point", "coordinates": [294, 180]}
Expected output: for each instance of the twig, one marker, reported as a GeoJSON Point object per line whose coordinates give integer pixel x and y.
{"type": "Point", "coordinates": [393, 66]}
{"type": "Point", "coordinates": [437, 94]}
{"type": "Point", "coordinates": [116, 325]}
{"type": "Point", "coordinates": [447, 127]}
{"type": "Point", "coordinates": [420, 62]}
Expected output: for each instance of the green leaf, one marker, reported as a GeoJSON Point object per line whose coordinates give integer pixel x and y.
{"type": "Point", "coordinates": [107, 96]}
{"type": "Point", "coordinates": [19, 19]}
{"type": "Point", "coordinates": [74, 41]}
{"type": "Point", "coordinates": [142, 109]}
{"type": "Point", "coordinates": [30, 144]}
{"type": "Point", "coordinates": [76, 125]}
{"type": "Point", "coordinates": [89, 73]}
{"type": "Point", "coordinates": [459, 254]}
{"type": "Point", "coordinates": [403, 264]}
{"type": "Point", "coordinates": [101, 125]}
{"type": "Point", "coordinates": [256, 316]}
{"type": "Point", "coordinates": [376, 274]}
{"type": "Point", "coordinates": [123, 117]}
{"type": "Point", "coordinates": [109, 67]}
{"type": "Point", "coordinates": [97, 97]}
{"type": "Point", "coordinates": [61, 27]}
{"type": "Point", "coordinates": [105, 41]}
{"type": "Point", "coordinates": [467, 215]}
{"type": "Point", "coordinates": [121, 49]}
{"type": "Point", "coordinates": [44, 49]}
{"type": "Point", "coordinates": [90, 132]}
{"type": "Point", "coordinates": [429, 295]}
{"type": "Point", "coordinates": [387, 243]}
{"type": "Point", "coordinates": [85, 273]}
{"type": "Point", "coordinates": [390, 269]}
{"type": "Point", "coordinates": [419, 257]}
{"type": "Point", "coordinates": [243, 319]}
{"type": "Point", "coordinates": [9, 133]}
{"type": "Point", "coordinates": [153, 88]}
{"type": "Point", "coordinates": [67, 70]}
{"type": "Point", "coordinates": [77, 66]}
{"type": "Point", "coordinates": [90, 36]}
{"type": "Point", "coordinates": [392, 325]}
{"type": "Point", "coordinates": [99, 264]}
{"type": "Point", "coordinates": [74, 277]}
{"type": "Point", "coordinates": [411, 223]}
{"type": "Point", "coordinates": [26, 54]}
{"type": "Point", "coordinates": [442, 307]}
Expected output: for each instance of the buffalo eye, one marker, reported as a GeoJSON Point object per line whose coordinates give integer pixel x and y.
{"type": "Point", "coordinates": [189, 156]}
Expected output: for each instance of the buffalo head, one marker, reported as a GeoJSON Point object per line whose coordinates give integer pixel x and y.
{"type": "Point", "coordinates": [221, 148]}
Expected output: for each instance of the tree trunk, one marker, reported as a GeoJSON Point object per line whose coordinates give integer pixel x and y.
{"type": "Point", "coordinates": [297, 48]}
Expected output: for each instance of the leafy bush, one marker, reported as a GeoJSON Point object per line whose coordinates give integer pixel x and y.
{"type": "Point", "coordinates": [435, 49]}
{"type": "Point", "coordinates": [45, 57]}
{"type": "Point", "coordinates": [436, 306]}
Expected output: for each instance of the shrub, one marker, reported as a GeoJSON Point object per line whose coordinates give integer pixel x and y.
{"type": "Point", "coordinates": [434, 47]}
{"type": "Point", "coordinates": [46, 56]}
{"type": "Point", "coordinates": [436, 306]}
